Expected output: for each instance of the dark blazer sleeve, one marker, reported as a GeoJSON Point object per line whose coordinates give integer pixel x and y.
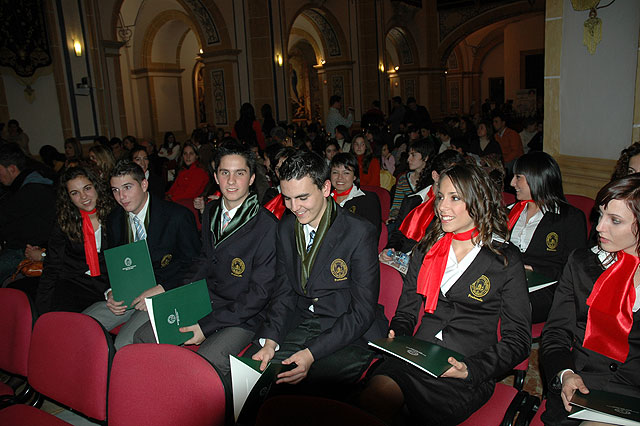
{"type": "Point", "coordinates": [515, 327]}
{"type": "Point", "coordinates": [365, 289]}
{"type": "Point", "coordinates": [52, 267]}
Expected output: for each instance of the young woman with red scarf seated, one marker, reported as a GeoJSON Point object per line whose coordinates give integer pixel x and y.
{"type": "Point", "coordinates": [74, 274]}
{"type": "Point", "coordinates": [345, 178]}
{"type": "Point", "coordinates": [544, 226]}
{"type": "Point", "coordinates": [591, 340]}
{"type": "Point", "coordinates": [472, 284]}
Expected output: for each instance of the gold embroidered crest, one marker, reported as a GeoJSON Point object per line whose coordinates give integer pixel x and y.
{"type": "Point", "coordinates": [352, 209]}
{"type": "Point", "coordinates": [166, 259]}
{"type": "Point", "coordinates": [237, 267]}
{"type": "Point", "coordinates": [552, 241]}
{"type": "Point", "coordinates": [480, 288]}
{"type": "Point", "coordinates": [339, 269]}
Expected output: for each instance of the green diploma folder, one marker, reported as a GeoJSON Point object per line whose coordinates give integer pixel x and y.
{"type": "Point", "coordinates": [179, 307]}
{"type": "Point", "coordinates": [426, 356]}
{"type": "Point", "coordinates": [130, 271]}
{"type": "Point", "coordinates": [537, 281]}
{"type": "Point", "coordinates": [606, 407]}
{"type": "Point", "coordinates": [250, 385]}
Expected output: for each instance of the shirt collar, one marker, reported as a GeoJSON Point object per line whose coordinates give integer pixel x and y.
{"type": "Point", "coordinates": [231, 212]}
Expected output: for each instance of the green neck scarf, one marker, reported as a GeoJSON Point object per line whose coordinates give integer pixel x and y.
{"type": "Point", "coordinates": [245, 213]}
{"type": "Point", "coordinates": [327, 219]}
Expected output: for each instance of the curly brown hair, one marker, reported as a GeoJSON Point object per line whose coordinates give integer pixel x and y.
{"type": "Point", "coordinates": [622, 166]}
{"type": "Point", "coordinates": [69, 217]}
{"type": "Point", "coordinates": [483, 202]}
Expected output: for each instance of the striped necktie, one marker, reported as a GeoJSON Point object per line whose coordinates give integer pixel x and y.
{"type": "Point", "coordinates": [225, 220]}
{"type": "Point", "coordinates": [312, 235]}
{"type": "Point", "coordinates": [140, 232]}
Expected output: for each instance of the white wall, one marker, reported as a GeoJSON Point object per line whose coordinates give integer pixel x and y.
{"type": "Point", "coordinates": [597, 91]}
{"type": "Point", "coordinates": [41, 119]}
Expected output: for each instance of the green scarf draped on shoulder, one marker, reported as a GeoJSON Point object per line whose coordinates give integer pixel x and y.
{"type": "Point", "coordinates": [245, 213]}
{"type": "Point", "coordinates": [307, 259]}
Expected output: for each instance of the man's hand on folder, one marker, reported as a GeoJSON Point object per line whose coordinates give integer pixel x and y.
{"type": "Point", "coordinates": [118, 308]}
{"type": "Point", "coordinates": [198, 335]}
{"type": "Point", "coordinates": [139, 302]}
{"type": "Point", "coordinates": [303, 360]}
{"type": "Point", "coordinates": [265, 354]}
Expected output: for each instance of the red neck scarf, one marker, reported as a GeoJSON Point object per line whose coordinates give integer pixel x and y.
{"type": "Point", "coordinates": [515, 212]}
{"type": "Point", "coordinates": [415, 225]}
{"type": "Point", "coordinates": [90, 249]}
{"type": "Point", "coordinates": [276, 206]}
{"type": "Point", "coordinates": [610, 316]}
{"type": "Point", "coordinates": [433, 266]}
{"type": "Point", "coordinates": [335, 194]}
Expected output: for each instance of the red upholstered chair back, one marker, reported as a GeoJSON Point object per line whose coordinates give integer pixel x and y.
{"type": "Point", "coordinates": [384, 237]}
{"type": "Point", "coordinates": [69, 361]}
{"type": "Point", "coordinates": [384, 197]}
{"type": "Point", "coordinates": [164, 385]}
{"type": "Point", "coordinates": [16, 323]}
{"type": "Point", "coordinates": [583, 203]}
{"type": "Point", "coordinates": [312, 411]}
{"type": "Point", "coordinates": [390, 289]}
{"type": "Point", "coordinates": [536, 419]}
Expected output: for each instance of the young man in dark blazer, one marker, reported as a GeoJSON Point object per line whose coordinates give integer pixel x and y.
{"type": "Point", "coordinates": [325, 308]}
{"type": "Point", "coordinates": [238, 260]}
{"type": "Point", "coordinates": [172, 237]}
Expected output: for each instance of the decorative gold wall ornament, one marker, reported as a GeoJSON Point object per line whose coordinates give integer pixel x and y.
{"type": "Point", "coordinates": [592, 31]}
{"type": "Point", "coordinates": [580, 5]}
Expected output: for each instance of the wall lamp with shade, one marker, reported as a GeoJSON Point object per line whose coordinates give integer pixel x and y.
{"type": "Point", "coordinates": [279, 59]}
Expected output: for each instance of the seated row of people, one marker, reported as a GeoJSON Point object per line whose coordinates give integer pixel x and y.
{"type": "Point", "coordinates": [304, 289]}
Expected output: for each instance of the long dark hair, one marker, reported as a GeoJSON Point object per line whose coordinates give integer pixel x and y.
{"type": "Point", "coordinates": [69, 218]}
{"type": "Point", "coordinates": [544, 179]}
{"type": "Point", "coordinates": [626, 189]}
{"type": "Point", "coordinates": [368, 154]}
{"type": "Point", "coordinates": [622, 166]}
{"type": "Point", "coordinates": [483, 202]}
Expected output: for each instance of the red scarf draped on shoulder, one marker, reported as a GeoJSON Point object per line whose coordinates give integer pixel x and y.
{"type": "Point", "coordinates": [89, 237]}
{"type": "Point", "coordinates": [415, 225]}
{"type": "Point", "coordinates": [515, 212]}
{"type": "Point", "coordinates": [335, 194]}
{"type": "Point", "coordinates": [434, 265]}
{"type": "Point", "coordinates": [276, 206]}
{"type": "Point", "coordinates": [610, 316]}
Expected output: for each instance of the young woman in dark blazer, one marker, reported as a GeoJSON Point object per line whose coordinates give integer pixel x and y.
{"type": "Point", "coordinates": [74, 275]}
{"type": "Point", "coordinates": [472, 284]}
{"type": "Point", "coordinates": [544, 226]}
{"type": "Point", "coordinates": [591, 340]}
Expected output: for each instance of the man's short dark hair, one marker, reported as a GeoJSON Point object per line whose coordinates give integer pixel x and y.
{"type": "Point", "coordinates": [397, 99]}
{"type": "Point", "coordinates": [12, 154]}
{"type": "Point", "coordinates": [334, 98]}
{"type": "Point", "coordinates": [411, 100]}
{"type": "Point", "coordinates": [425, 147]}
{"type": "Point", "coordinates": [500, 115]}
{"type": "Point", "coordinates": [303, 164]}
{"type": "Point", "coordinates": [376, 104]}
{"type": "Point", "coordinates": [128, 167]}
{"type": "Point", "coordinates": [235, 148]}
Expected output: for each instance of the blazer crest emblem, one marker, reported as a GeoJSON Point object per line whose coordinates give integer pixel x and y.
{"type": "Point", "coordinates": [339, 269]}
{"type": "Point", "coordinates": [480, 288]}
{"type": "Point", "coordinates": [237, 267]}
{"type": "Point", "coordinates": [552, 241]}
{"type": "Point", "coordinates": [166, 260]}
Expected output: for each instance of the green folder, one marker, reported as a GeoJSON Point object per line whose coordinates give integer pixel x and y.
{"type": "Point", "coordinates": [130, 271]}
{"type": "Point", "coordinates": [250, 386]}
{"type": "Point", "coordinates": [180, 307]}
{"type": "Point", "coordinates": [606, 407]}
{"type": "Point", "coordinates": [537, 281]}
{"type": "Point", "coordinates": [428, 357]}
